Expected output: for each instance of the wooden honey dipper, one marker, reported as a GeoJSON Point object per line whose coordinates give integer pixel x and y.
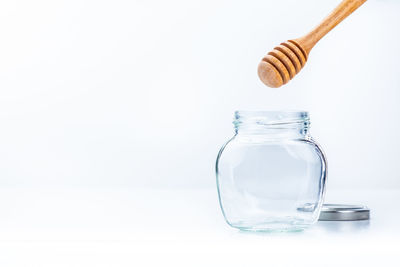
{"type": "Point", "coordinates": [286, 60]}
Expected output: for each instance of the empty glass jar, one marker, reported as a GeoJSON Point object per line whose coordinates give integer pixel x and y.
{"type": "Point", "coordinates": [271, 175]}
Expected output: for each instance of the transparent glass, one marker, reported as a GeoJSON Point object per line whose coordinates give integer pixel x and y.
{"type": "Point", "coordinates": [271, 175]}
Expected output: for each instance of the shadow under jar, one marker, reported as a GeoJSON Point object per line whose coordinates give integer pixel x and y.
{"type": "Point", "coordinates": [271, 175]}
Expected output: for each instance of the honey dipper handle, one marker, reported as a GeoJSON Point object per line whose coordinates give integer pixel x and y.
{"type": "Point", "coordinates": [342, 11]}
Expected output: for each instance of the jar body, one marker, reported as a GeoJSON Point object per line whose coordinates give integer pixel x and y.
{"type": "Point", "coordinates": [271, 180]}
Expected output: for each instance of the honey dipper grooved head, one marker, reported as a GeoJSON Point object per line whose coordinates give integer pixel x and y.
{"type": "Point", "coordinates": [280, 65]}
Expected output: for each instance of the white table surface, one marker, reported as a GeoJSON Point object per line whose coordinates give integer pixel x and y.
{"type": "Point", "coordinates": [180, 227]}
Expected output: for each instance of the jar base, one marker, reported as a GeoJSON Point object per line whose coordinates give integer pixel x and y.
{"type": "Point", "coordinates": [271, 226]}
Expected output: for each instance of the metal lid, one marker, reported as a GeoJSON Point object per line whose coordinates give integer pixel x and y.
{"type": "Point", "coordinates": [339, 212]}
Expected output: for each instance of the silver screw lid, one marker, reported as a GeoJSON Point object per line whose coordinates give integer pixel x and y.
{"type": "Point", "coordinates": [340, 212]}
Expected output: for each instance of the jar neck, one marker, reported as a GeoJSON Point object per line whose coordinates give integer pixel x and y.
{"type": "Point", "coordinates": [272, 124]}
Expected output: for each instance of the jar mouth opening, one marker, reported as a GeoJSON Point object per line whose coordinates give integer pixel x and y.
{"type": "Point", "coordinates": [271, 118]}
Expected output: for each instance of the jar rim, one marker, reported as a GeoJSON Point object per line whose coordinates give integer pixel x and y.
{"type": "Point", "coordinates": [271, 117]}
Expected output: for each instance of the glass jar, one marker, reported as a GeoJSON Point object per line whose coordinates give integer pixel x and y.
{"type": "Point", "coordinates": [271, 175]}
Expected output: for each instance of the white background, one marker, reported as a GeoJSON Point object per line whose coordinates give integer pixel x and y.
{"type": "Point", "coordinates": [140, 95]}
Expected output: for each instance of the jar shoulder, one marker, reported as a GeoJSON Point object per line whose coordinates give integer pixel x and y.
{"type": "Point", "coordinates": [266, 141]}
{"type": "Point", "coordinates": [303, 147]}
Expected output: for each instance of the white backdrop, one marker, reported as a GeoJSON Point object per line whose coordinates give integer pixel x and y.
{"type": "Point", "coordinates": [142, 93]}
